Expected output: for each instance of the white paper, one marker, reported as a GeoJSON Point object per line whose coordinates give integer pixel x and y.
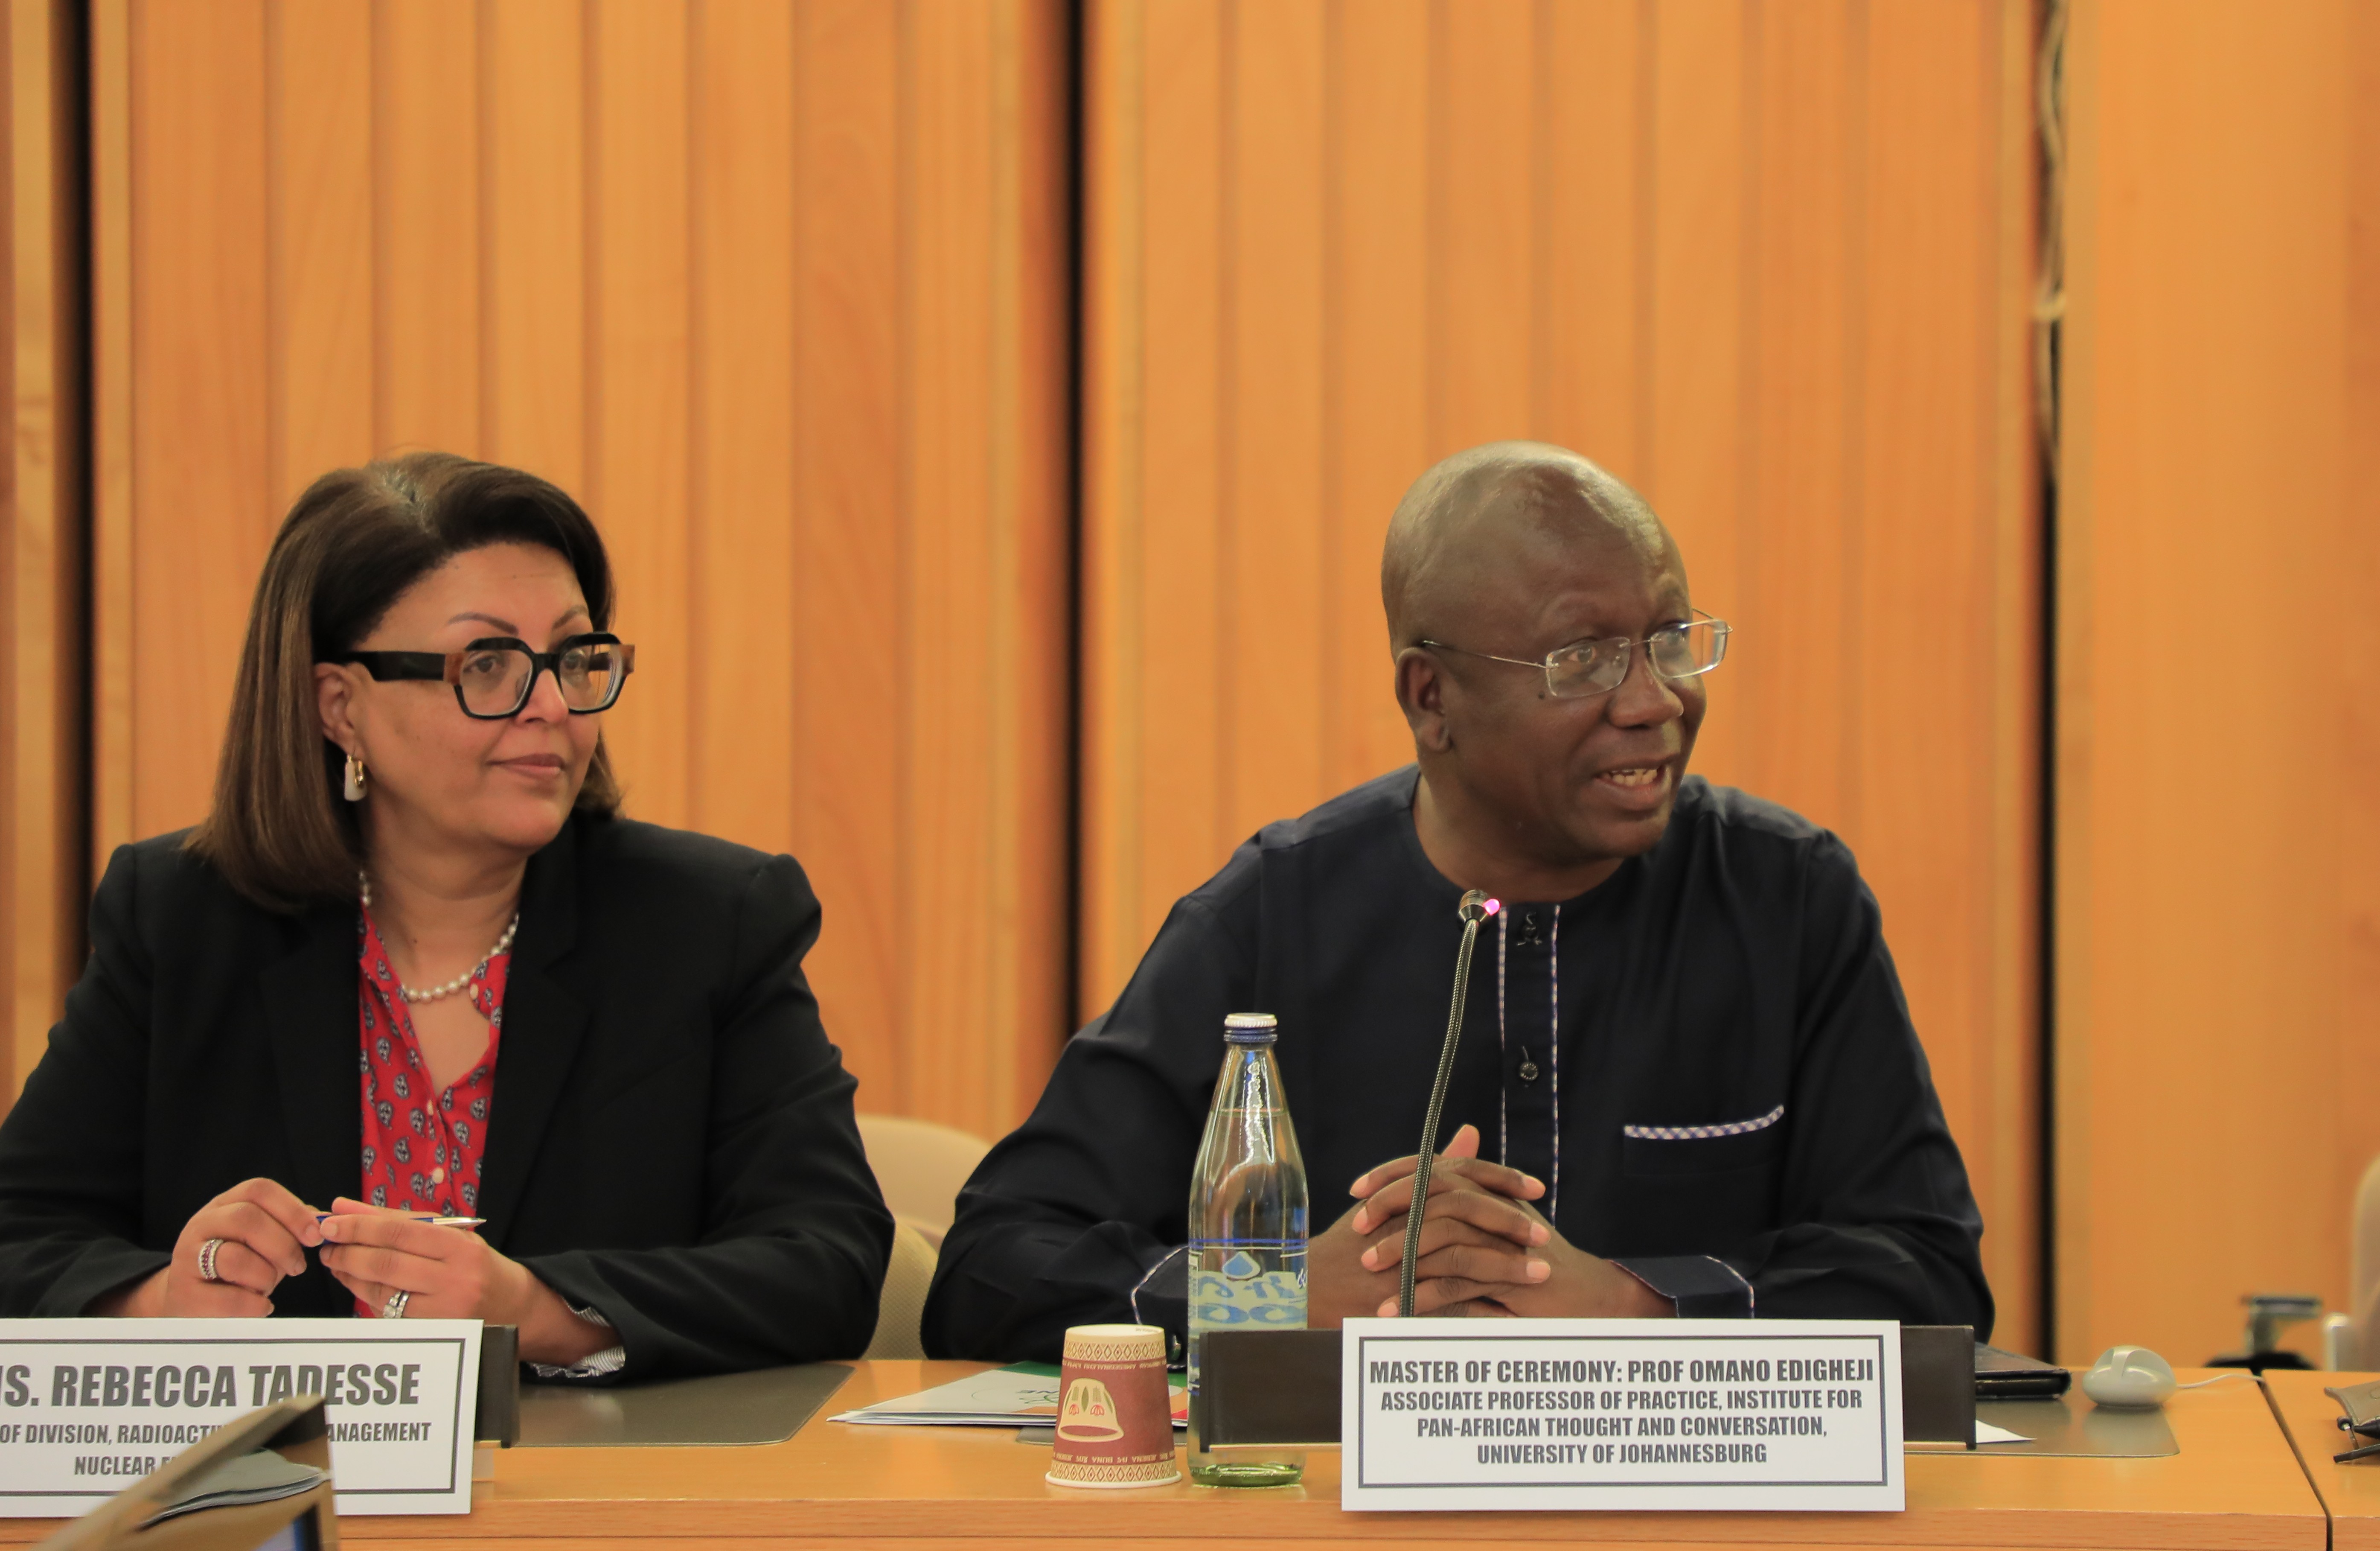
{"type": "Point", "coordinates": [1634, 1415]}
{"type": "Point", "coordinates": [90, 1406]}
{"type": "Point", "coordinates": [1985, 1433]}
{"type": "Point", "coordinates": [1022, 1395]}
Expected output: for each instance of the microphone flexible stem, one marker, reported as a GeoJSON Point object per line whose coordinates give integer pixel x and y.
{"type": "Point", "coordinates": [1472, 916]}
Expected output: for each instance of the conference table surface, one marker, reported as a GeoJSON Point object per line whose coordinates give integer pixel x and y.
{"type": "Point", "coordinates": [2235, 1483]}
{"type": "Point", "coordinates": [2351, 1492]}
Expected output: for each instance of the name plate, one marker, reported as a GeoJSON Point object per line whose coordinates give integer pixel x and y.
{"type": "Point", "coordinates": [90, 1406]}
{"type": "Point", "coordinates": [1576, 1413]}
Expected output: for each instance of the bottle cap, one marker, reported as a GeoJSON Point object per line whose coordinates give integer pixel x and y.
{"type": "Point", "coordinates": [1250, 1028]}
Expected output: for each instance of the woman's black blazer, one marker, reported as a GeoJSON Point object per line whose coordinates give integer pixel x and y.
{"type": "Point", "coordinates": [671, 1142]}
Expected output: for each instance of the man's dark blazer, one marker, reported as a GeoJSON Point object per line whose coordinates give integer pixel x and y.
{"type": "Point", "coordinates": [672, 1143]}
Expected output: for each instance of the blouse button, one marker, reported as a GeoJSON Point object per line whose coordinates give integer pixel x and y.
{"type": "Point", "coordinates": [437, 1176]}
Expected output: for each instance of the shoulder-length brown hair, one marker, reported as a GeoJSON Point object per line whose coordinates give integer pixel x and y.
{"type": "Point", "coordinates": [353, 543]}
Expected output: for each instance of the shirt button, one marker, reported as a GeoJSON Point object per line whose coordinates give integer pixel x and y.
{"type": "Point", "coordinates": [437, 1176]}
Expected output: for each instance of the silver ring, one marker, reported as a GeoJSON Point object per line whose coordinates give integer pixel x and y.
{"type": "Point", "coordinates": [394, 1307]}
{"type": "Point", "coordinates": [207, 1260]}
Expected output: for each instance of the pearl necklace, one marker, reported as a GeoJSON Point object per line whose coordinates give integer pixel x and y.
{"type": "Point", "coordinates": [459, 981]}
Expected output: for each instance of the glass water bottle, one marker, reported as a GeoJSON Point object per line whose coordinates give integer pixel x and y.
{"type": "Point", "coordinates": [1247, 1233]}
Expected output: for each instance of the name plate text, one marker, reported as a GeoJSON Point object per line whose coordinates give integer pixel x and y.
{"type": "Point", "coordinates": [90, 1406]}
{"type": "Point", "coordinates": [1634, 1414]}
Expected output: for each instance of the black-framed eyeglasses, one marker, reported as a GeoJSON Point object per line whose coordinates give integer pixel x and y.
{"type": "Point", "coordinates": [495, 676]}
{"type": "Point", "coordinates": [1599, 667]}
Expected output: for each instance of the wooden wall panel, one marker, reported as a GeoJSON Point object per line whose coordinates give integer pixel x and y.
{"type": "Point", "coordinates": [745, 368]}
{"type": "Point", "coordinates": [1773, 268]}
{"type": "Point", "coordinates": [778, 290]}
{"type": "Point", "coordinates": [427, 221]}
{"type": "Point", "coordinates": [2218, 948]}
{"type": "Point", "coordinates": [640, 364]}
{"type": "Point", "coordinates": [42, 528]}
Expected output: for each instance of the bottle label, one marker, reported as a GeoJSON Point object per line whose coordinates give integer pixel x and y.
{"type": "Point", "coordinates": [1245, 1293]}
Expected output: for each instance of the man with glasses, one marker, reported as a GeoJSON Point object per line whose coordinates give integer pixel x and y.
{"type": "Point", "coordinates": [1687, 1083]}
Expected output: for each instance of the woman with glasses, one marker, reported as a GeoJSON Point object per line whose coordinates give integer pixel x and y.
{"type": "Point", "coordinates": [413, 1024]}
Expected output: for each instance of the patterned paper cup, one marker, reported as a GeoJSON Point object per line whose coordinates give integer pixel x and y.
{"type": "Point", "coordinates": [1115, 1420]}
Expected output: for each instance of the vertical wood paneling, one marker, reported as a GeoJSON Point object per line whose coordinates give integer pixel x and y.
{"type": "Point", "coordinates": [776, 289]}
{"type": "Point", "coordinates": [1376, 388]}
{"type": "Point", "coordinates": [111, 427]}
{"type": "Point", "coordinates": [946, 357]}
{"type": "Point", "coordinates": [1032, 473]}
{"type": "Point", "coordinates": [199, 316]}
{"type": "Point", "coordinates": [2217, 974]}
{"type": "Point", "coordinates": [320, 194]}
{"type": "Point", "coordinates": [533, 258]}
{"type": "Point", "coordinates": [1798, 578]}
{"type": "Point", "coordinates": [1760, 267]}
{"type": "Point", "coordinates": [746, 779]}
{"type": "Point", "coordinates": [1943, 614]}
{"type": "Point", "coordinates": [984, 599]}
{"type": "Point", "coordinates": [1594, 156]}
{"type": "Point", "coordinates": [1695, 340]}
{"type": "Point", "coordinates": [852, 498]}
{"type": "Point", "coordinates": [639, 290]}
{"type": "Point", "coordinates": [41, 797]}
{"type": "Point", "coordinates": [1484, 304]}
{"type": "Point", "coordinates": [2359, 709]}
{"type": "Point", "coordinates": [427, 244]}
{"type": "Point", "coordinates": [1113, 671]}
{"type": "Point", "coordinates": [1272, 410]}
{"type": "Point", "coordinates": [1164, 663]}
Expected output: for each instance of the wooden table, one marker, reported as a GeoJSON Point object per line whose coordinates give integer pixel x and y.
{"type": "Point", "coordinates": [2236, 1483]}
{"type": "Point", "coordinates": [2351, 1493]}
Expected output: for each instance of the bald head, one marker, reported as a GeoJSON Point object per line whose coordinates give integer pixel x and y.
{"type": "Point", "coordinates": [1492, 505]}
{"type": "Point", "coordinates": [1499, 558]}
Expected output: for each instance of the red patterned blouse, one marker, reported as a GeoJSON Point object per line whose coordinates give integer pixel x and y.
{"type": "Point", "coordinates": [422, 1149]}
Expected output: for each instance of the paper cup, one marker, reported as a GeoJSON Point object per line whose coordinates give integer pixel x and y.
{"type": "Point", "coordinates": [1115, 1420]}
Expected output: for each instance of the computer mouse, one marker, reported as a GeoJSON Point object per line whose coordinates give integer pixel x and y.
{"type": "Point", "coordinates": [2130, 1377]}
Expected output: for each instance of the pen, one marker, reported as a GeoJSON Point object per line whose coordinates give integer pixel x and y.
{"type": "Point", "coordinates": [428, 1217]}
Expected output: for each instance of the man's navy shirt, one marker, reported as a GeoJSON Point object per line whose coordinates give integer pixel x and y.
{"type": "Point", "coordinates": [1708, 1057]}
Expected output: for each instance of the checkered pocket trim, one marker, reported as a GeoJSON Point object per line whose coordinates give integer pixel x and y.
{"type": "Point", "coordinates": [1698, 1133]}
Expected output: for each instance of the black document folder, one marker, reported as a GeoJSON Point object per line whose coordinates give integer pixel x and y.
{"type": "Point", "coordinates": [2006, 1375]}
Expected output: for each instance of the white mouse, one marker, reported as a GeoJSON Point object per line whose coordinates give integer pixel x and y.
{"type": "Point", "coordinates": [2129, 1376]}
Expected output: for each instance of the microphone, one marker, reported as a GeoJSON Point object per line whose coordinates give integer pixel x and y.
{"type": "Point", "coordinates": [1474, 907]}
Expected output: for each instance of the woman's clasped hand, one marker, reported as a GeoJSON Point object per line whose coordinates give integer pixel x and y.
{"type": "Point", "coordinates": [444, 1272]}
{"type": "Point", "coordinates": [260, 1233]}
{"type": "Point", "coordinates": [448, 1273]}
